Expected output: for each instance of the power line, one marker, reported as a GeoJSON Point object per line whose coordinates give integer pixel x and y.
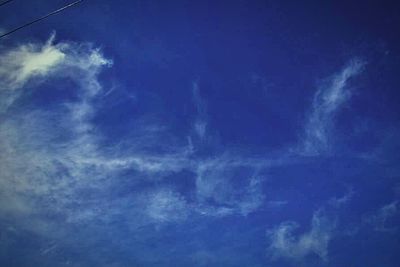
{"type": "Point", "coordinates": [41, 18]}
{"type": "Point", "coordinates": [5, 2]}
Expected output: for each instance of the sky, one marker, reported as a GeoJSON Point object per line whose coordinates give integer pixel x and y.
{"type": "Point", "coordinates": [200, 133]}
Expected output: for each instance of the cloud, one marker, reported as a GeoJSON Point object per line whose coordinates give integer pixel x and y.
{"type": "Point", "coordinates": [166, 205]}
{"type": "Point", "coordinates": [53, 160]}
{"type": "Point", "coordinates": [285, 243]}
{"type": "Point", "coordinates": [25, 62]}
{"type": "Point", "coordinates": [230, 183]}
{"type": "Point", "coordinates": [340, 201]}
{"type": "Point", "coordinates": [32, 63]}
{"type": "Point", "coordinates": [200, 124]}
{"type": "Point", "coordinates": [42, 150]}
{"type": "Point", "coordinates": [277, 203]}
{"type": "Point", "coordinates": [383, 220]}
{"type": "Point", "coordinates": [218, 190]}
{"type": "Point", "coordinates": [327, 102]}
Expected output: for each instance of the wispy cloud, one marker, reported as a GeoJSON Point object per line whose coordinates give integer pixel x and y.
{"type": "Point", "coordinates": [340, 201]}
{"type": "Point", "coordinates": [233, 183]}
{"type": "Point", "coordinates": [200, 124]}
{"type": "Point", "coordinates": [41, 159]}
{"type": "Point", "coordinates": [49, 158]}
{"type": "Point", "coordinates": [52, 161]}
{"type": "Point", "coordinates": [285, 243]}
{"type": "Point", "coordinates": [277, 203]}
{"type": "Point", "coordinates": [328, 100]}
{"type": "Point", "coordinates": [383, 219]}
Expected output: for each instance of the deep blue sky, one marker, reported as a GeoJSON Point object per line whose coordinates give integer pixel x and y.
{"type": "Point", "coordinates": [200, 133]}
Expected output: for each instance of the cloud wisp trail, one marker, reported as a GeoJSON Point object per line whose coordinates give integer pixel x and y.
{"type": "Point", "coordinates": [329, 98]}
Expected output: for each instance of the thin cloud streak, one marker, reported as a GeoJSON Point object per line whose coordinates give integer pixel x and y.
{"type": "Point", "coordinates": [317, 137]}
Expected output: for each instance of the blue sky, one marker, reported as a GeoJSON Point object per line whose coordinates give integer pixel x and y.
{"type": "Point", "coordinates": [200, 133]}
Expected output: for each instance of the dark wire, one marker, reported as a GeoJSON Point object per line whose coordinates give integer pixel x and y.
{"type": "Point", "coordinates": [5, 2]}
{"type": "Point", "coordinates": [41, 18]}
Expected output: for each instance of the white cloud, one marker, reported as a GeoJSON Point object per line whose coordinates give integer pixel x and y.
{"type": "Point", "coordinates": [285, 243]}
{"type": "Point", "coordinates": [327, 102]}
{"type": "Point", "coordinates": [37, 164]}
{"type": "Point", "coordinates": [38, 145]}
{"type": "Point", "coordinates": [253, 196]}
{"type": "Point", "coordinates": [200, 125]}
{"type": "Point", "coordinates": [165, 205]}
{"type": "Point", "coordinates": [382, 219]}
{"type": "Point", "coordinates": [51, 160]}
{"type": "Point", "coordinates": [28, 64]}
{"type": "Point", "coordinates": [216, 177]}
{"type": "Point", "coordinates": [340, 201]}
{"type": "Point", "coordinates": [232, 183]}
{"type": "Point", "coordinates": [19, 65]}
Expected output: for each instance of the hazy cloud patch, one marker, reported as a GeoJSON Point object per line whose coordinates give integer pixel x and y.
{"type": "Point", "coordinates": [384, 219]}
{"type": "Point", "coordinates": [287, 243]}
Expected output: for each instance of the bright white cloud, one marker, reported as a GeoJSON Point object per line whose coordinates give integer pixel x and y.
{"type": "Point", "coordinates": [287, 244]}
{"type": "Point", "coordinates": [19, 65]}
{"type": "Point", "coordinates": [327, 102]}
